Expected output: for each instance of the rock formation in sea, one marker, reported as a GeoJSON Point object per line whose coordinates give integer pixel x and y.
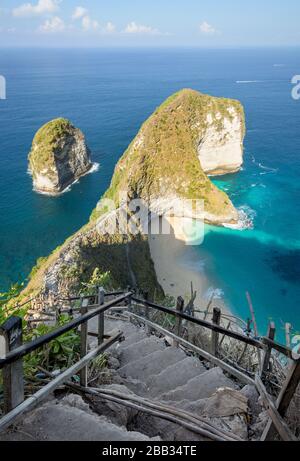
{"type": "Point", "coordinates": [163, 166]}
{"type": "Point", "coordinates": [189, 135]}
{"type": "Point", "coordinates": [59, 156]}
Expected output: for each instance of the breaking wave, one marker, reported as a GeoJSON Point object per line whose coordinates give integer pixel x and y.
{"type": "Point", "coordinates": [246, 219]}
{"type": "Point", "coordinates": [266, 169]}
{"type": "Point", "coordinates": [215, 293]}
{"type": "Point", "coordinates": [95, 167]}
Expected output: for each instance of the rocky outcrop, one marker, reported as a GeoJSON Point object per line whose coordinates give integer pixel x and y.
{"type": "Point", "coordinates": [220, 150]}
{"type": "Point", "coordinates": [96, 246]}
{"type": "Point", "coordinates": [59, 156]}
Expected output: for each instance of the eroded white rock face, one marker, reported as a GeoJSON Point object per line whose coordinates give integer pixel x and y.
{"type": "Point", "coordinates": [174, 206]}
{"type": "Point", "coordinates": [220, 150]}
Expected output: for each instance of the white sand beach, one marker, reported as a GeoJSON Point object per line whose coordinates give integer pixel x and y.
{"type": "Point", "coordinates": [177, 265]}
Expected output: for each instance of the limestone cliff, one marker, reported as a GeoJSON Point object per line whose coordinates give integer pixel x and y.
{"type": "Point", "coordinates": [220, 148]}
{"type": "Point", "coordinates": [59, 156]}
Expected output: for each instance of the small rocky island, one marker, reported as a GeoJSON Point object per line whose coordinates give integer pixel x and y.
{"type": "Point", "coordinates": [59, 156]}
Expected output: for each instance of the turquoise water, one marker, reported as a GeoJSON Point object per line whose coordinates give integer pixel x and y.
{"type": "Point", "coordinates": [108, 94]}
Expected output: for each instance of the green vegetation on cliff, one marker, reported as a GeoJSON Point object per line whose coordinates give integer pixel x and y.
{"type": "Point", "coordinates": [163, 158]}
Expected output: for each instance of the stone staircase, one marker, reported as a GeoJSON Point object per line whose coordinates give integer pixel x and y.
{"type": "Point", "coordinates": [144, 366]}
{"type": "Point", "coordinates": [164, 373]}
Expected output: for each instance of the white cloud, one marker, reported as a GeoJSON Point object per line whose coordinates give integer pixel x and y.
{"type": "Point", "coordinates": [42, 7]}
{"type": "Point", "coordinates": [55, 24]}
{"type": "Point", "coordinates": [207, 29]}
{"type": "Point", "coordinates": [10, 30]}
{"type": "Point", "coordinates": [79, 13]}
{"type": "Point", "coordinates": [89, 24]}
{"type": "Point", "coordinates": [109, 28]}
{"type": "Point", "coordinates": [134, 28]}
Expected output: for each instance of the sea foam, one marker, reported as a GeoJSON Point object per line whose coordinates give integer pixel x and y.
{"type": "Point", "coordinates": [95, 167]}
{"type": "Point", "coordinates": [215, 293]}
{"type": "Point", "coordinates": [246, 219]}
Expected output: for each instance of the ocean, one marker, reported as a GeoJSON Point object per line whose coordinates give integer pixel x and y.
{"type": "Point", "coordinates": [108, 93]}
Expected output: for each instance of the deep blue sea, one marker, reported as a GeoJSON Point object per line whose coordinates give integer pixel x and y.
{"type": "Point", "coordinates": [108, 94]}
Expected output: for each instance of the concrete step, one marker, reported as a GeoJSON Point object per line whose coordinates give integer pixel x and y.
{"type": "Point", "coordinates": [130, 339]}
{"type": "Point", "coordinates": [174, 376]}
{"type": "Point", "coordinates": [58, 422]}
{"type": "Point", "coordinates": [109, 325]}
{"type": "Point", "coordinates": [200, 387]}
{"type": "Point", "coordinates": [133, 338]}
{"type": "Point", "coordinates": [140, 349]}
{"type": "Point", "coordinates": [156, 362]}
{"type": "Point", "coordinates": [127, 327]}
{"type": "Point", "coordinates": [131, 333]}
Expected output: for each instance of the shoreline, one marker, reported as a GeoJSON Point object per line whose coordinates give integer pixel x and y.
{"type": "Point", "coordinates": [93, 169]}
{"type": "Point", "coordinates": [177, 265]}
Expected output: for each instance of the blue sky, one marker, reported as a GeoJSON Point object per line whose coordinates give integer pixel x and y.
{"type": "Point", "coordinates": [209, 23]}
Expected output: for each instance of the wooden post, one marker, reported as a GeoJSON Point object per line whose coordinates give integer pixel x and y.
{"type": "Point", "coordinates": [214, 335]}
{"type": "Point", "coordinates": [101, 299]}
{"type": "Point", "coordinates": [147, 312]}
{"type": "Point", "coordinates": [267, 355]}
{"type": "Point", "coordinates": [129, 300]}
{"type": "Point", "coordinates": [179, 308]}
{"type": "Point", "coordinates": [13, 380]}
{"type": "Point", "coordinates": [224, 336]}
{"type": "Point", "coordinates": [146, 298]}
{"type": "Point", "coordinates": [254, 326]}
{"type": "Point", "coordinates": [288, 328]}
{"type": "Point", "coordinates": [248, 332]}
{"type": "Point", "coordinates": [287, 393]}
{"type": "Point", "coordinates": [84, 343]}
{"type": "Point", "coordinates": [208, 306]}
{"type": "Point", "coordinates": [279, 423]}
